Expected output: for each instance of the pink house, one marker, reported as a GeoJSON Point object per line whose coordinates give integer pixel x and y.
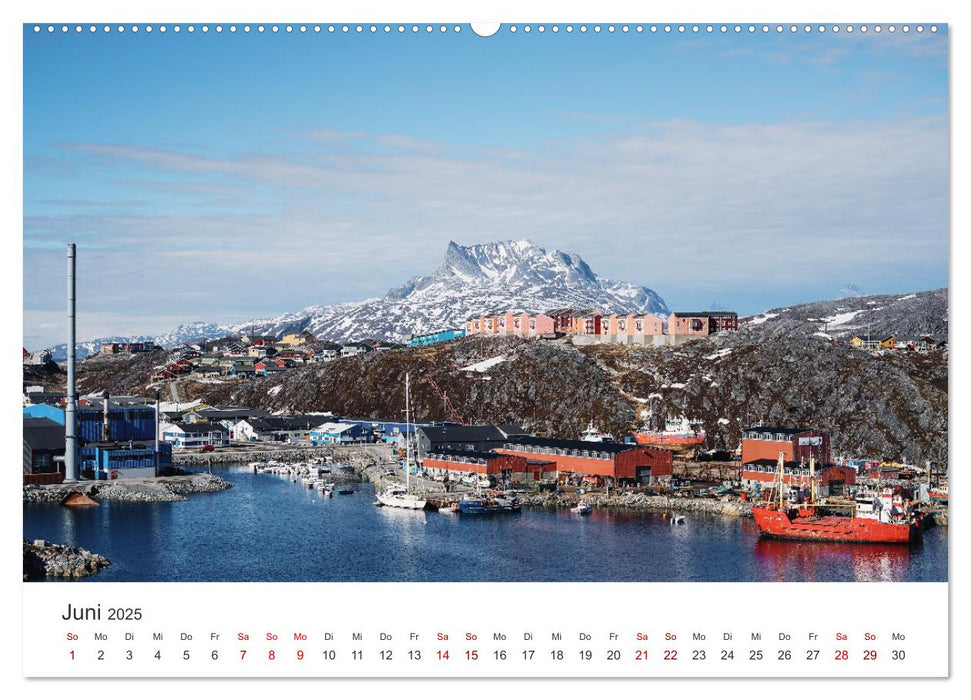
{"type": "Point", "coordinates": [539, 324]}
{"type": "Point", "coordinates": [647, 324]}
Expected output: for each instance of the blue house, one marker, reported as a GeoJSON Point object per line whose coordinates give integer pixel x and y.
{"type": "Point", "coordinates": [436, 337]}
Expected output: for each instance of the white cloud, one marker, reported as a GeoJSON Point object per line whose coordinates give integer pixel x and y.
{"type": "Point", "coordinates": [332, 216]}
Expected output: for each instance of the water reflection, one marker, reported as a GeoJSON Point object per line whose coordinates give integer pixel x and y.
{"type": "Point", "coordinates": [782, 560]}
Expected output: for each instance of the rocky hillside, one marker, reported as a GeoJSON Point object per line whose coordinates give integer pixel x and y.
{"type": "Point", "coordinates": [892, 405]}
{"type": "Point", "coordinates": [907, 316]}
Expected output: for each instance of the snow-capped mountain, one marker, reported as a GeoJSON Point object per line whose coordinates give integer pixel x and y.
{"type": "Point", "coordinates": [186, 333]}
{"type": "Point", "coordinates": [471, 280]}
{"type": "Point", "coordinates": [851, 291]}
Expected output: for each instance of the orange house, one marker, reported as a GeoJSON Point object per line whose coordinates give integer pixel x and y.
{"type": "Point", "coordinates": [587, 324]}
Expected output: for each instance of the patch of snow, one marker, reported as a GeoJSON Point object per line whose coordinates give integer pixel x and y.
{"type": "Point", "coordinates": [640, 400]}
{"type": "Point", "coordinates": [485, 364]}
{"type": "Point", "coordinates": [274, 391]}
{"type": "Point", "coordinates": [675, 385]}
{"type": "Point", "coordinates": [841, 319]}
{"type": "Point", "coordinates": [762, 319]}
{"type": "Point", "coordinates": [909, 296]}
{"type": "Point", "coordinates": [723, 421]}
{"type": "Point", "coordinates": [718, 354]}
{"type": "Point", "coordinates": [824, 335]}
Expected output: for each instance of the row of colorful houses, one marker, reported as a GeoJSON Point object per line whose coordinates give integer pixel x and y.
{"type": "Point", "coordinates": [599, 327]}
{"type": "Point", "coordinates": [922, 344]}
{"type": "Point", "coordinates": [260, 358]}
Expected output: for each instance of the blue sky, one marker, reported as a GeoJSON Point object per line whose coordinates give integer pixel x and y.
{"type": "Point", "coordinates": [229, 176]}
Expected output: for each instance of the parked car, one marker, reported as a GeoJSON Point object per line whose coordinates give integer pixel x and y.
{"type": "Point", "coordinates": [207, 448]}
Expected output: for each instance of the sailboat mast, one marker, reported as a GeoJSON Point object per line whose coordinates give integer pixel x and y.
{"type": "Point", "coordinates": [782, 457]}
{"type": "Point", "coordinates": [812, 478]}
{"type": "Point", "coordinates": [407, 432]}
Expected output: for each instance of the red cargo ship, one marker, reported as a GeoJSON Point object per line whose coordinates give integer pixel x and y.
{"type": "Point", "coordinates": [880, 520]}
{"type": "Point", "coordinates": [807, 524]}
{"type": "Point", "coordinates": [676, 433]}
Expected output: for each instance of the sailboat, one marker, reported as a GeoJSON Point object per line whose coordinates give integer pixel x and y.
{"type": "Point", "coordinates": [395, 496]}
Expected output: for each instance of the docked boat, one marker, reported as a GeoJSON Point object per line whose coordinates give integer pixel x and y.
{"type": "Point", "coordinates": [938, 495]}
{"type": "Point", "coordinates": [401, 498]}
{"type": "Point", "coordinates": [344, 490]}
{"type": "Point", "coordinates": [487, 506]}
{"type": "Point", "coordinates": [592, 434]}
{"type": "Point", "coordinates": [678, 432]}
{"type": "Point", "coordinates": [449, 509]}
{"type": "Point", "coordinates": [870, 520]}
{"type": "Point", "coordinates": [582, 508]}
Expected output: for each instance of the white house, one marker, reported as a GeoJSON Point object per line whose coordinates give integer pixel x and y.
{"type": "Point", "coordinates": [187, 436]}
{"type": "Point", "coordinates": [351, 350]}
{"type": "Point", "coordinates": [292, 429]}
{"type": "Point", "coordinates": [339, 434]}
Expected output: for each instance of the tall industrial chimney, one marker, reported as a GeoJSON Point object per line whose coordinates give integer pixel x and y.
{"type": "Point", "coordinates": [106, 422]}
{"type": "Point", "coordinates": [70, 414]}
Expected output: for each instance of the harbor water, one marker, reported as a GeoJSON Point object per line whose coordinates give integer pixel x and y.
{"type": "Point", "coordinates": [267, 528]}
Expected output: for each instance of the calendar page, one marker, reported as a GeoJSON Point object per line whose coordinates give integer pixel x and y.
{"type": "Point", "coordinates": [428, 349]}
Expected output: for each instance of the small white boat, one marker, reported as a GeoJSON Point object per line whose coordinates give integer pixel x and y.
{"type": "Point", "coordinates": [677, 520]}
{"type": "Point", "coordinates": [400, 498]}
{"type": "Point", "coordinates": [592, 434]}
{"type": "Point", "coordinates": [449, 510]}
{"type": "Point", "coordinates": [582, 508]}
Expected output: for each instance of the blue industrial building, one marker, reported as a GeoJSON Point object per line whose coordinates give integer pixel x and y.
{"type": "Point", "coordinates": [436, 337]}
{"type": "Point", "coordinates": [121, 446]}
{"type": "Point", "coordinates": [126, 421]}
{"type": "Point", "coordinates": [112, 460]}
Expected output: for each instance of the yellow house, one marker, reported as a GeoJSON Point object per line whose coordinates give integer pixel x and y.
{"type": "Point", "coordinates": [298, 338]}
{"type": "Point", "coordinates": [857, 342]}
{"type": "Point", "coordinates": [888, 343]}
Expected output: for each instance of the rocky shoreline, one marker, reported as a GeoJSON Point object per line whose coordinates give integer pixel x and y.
{"type": "Point", "coordinates": [45, 560]}
{"type": "Point", "coordinates": [156, 490]}
{"type": "Point", "coordinates": [297, 454]}
{"type": "Point", "coordinates": [640, 502]}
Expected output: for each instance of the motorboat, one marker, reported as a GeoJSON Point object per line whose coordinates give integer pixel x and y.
{"type": "Point", "coordinates": [582, 508]}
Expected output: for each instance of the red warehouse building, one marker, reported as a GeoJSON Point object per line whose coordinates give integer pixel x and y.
{"type": "Point", "coordinates": [829, 480]}
{"type": "Point", "coordinates": [458, 462]}
{"type": "Point", "coordinates": [797, 444]}
{"type": "Point", "coordinates": [626, 463]}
